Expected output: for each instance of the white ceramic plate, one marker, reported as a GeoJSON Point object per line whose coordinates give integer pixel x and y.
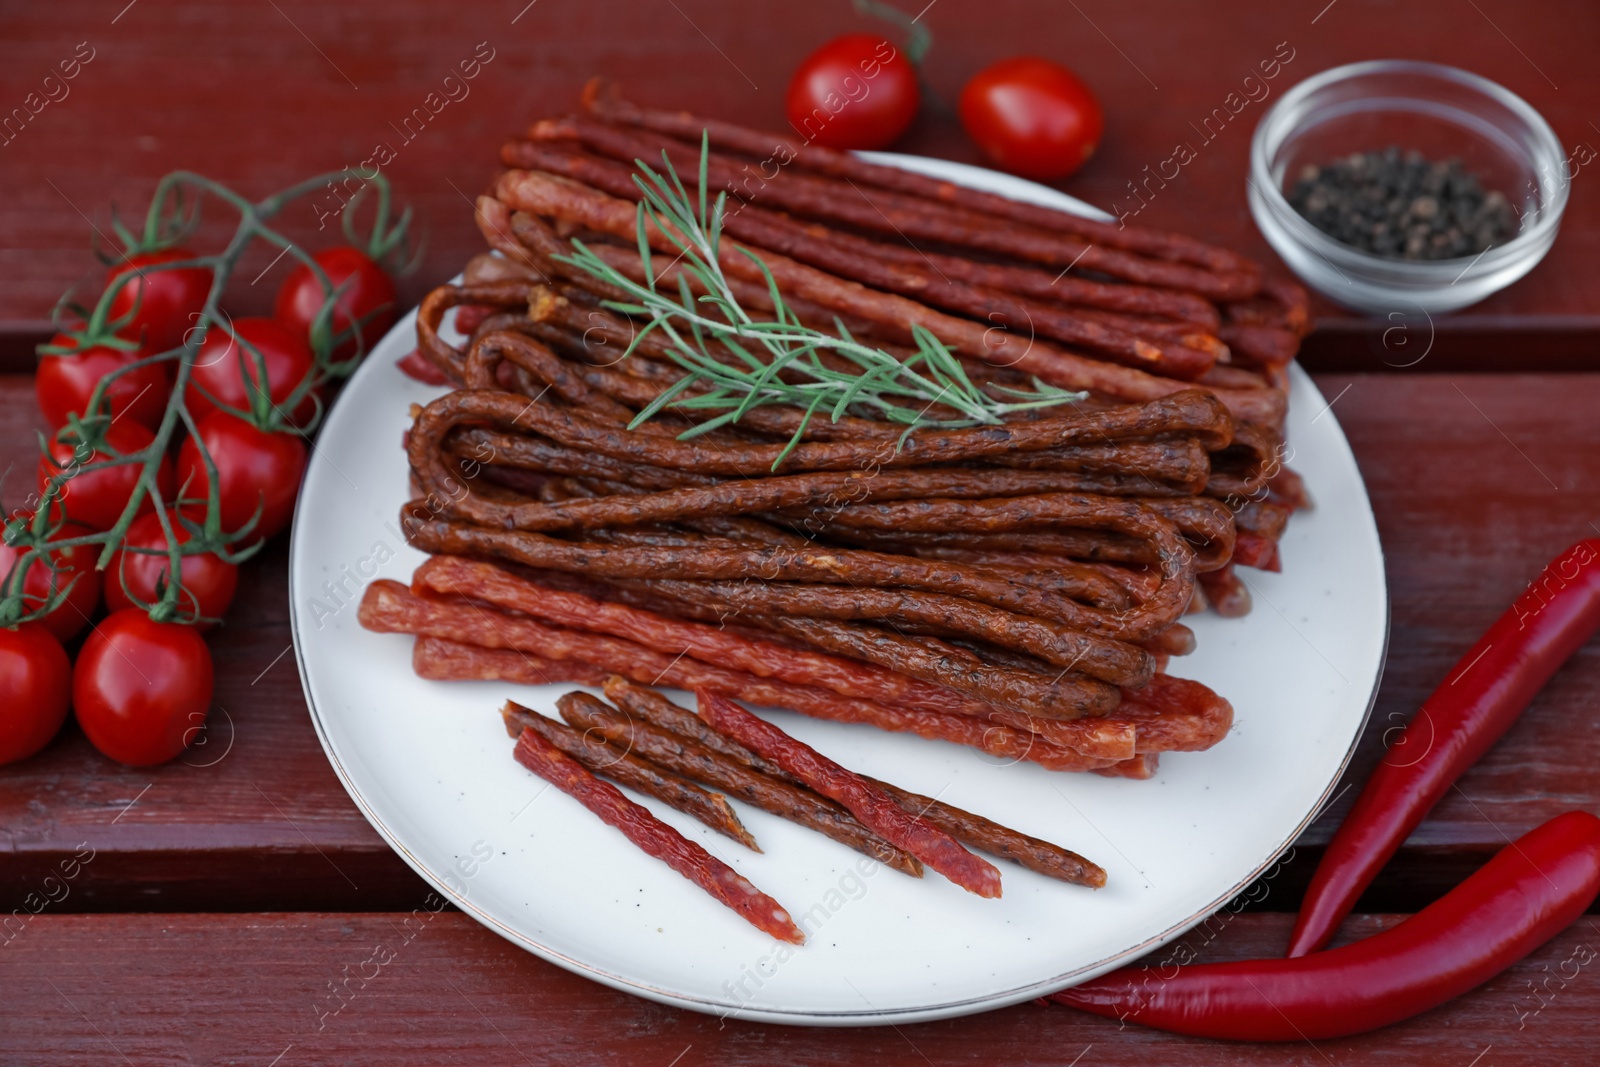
{"type": "Point", "coordinates": [430, 766]}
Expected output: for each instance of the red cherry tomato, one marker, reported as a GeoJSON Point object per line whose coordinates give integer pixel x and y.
{"type": "Point", "coordinates": [97, 494]}
{"type": "Point", "coordinates": [207, 581]}
{"type": "Point", "coordinates": [254, 469]}
{"type": "Point", "coordinates": [165, 304]}
{"type": "Point", "coordinates": [368, 297]}
{"type": "Point", "coordinates": [141, 688]}
{"type": "Point", "coordinates": [1032, 117]}
{"type": "Point", "coordinates": [856, 91]}
{"type": "Point", "coordinates": [35, 687]}
{"type": "Point", "coordinates": [65, 382]}
{"type": "Point", "coordinates": [74, 572]}
{"type": "Point", "coordinates": [223, 367]}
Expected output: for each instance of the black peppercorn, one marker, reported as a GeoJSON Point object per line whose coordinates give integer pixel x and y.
{"type": "Point", "coordinates": [1403, 206]}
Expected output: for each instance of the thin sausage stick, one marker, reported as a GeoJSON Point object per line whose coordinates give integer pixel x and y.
{"type": "Point", "coordinates": [554, 197]}
{"type": "Point", "coordinates": [833, 490]}
{"type": "Point", "coordinates": [623, 767]}
{"type": "Point", "coordinates": [570, 161]}
{"type": "Point", "coordinates": [890, 213]}
{"type": "Point", "coordinates": [654, 708]}
{"type": "Point", "coordinates": [1111, 514]}
{"type": "Point", "coordinates": [656, 838]}
{"type": "Point", "coordinates": [1004, 688]}
{"type": "Point", "coordinates": [734, 561]}
{"type": "Point", "coordinates": [480, 581]}
{"type": "Point", "coordinates": [974, 830]}
{"type": "Point", "coordinates": [822, 248]}
{"type": "Point", "coordinates": [441, 660]}
{"type": "Point", "coordinates": [602, 100]}
{"type": "Point", "coordinates": [686, 758]}
{"type": "Point", "coordinates": [868, 803]}
{"type": "Point", "coordinates": [449, 659]}
{"type": "Point", "coordinates": [1052, 642]}
{"type": "Point", "coordinates": [1190, 413]}
{"type": "Point", "coordinates": [446, 358]}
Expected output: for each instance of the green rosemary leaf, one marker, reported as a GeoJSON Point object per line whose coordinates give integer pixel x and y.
{"type": "Point", "coordinates": [799, 432]}
{"type": "Point", "coordinates": [714, 234]}
{"type": "Point", "coordinates": [664, 398]}
{"type": "Point", "coordinates": [856, 388]}
{"type": "Point", "coordinates": [710, 424]}
{"type": "Point", "coordinates": [776, 359]}
{"type": "Point", "coordinates": [705, 165]}
{"type": "Point", "coordinates": [643, 238]}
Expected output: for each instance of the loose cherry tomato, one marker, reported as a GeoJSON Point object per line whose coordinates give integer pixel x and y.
{"type": "Point", "coordinates": [368, 298]}
{"type": "Point", "coordinates": [96, 494]}
{"type": "Point", "coordinates": [254, 469]}
{"type": "Point", "coordinates": [141, 688]}
{"type": "Point", "coordinates": [1032, 117]}
{"type": "Point", "coordinates": [856, 91]}
{"type": "Point", "coordinates": [35, 687]}
{"type": "Point", "coordinates": [207, 581]}
{"type": "Point", "coordinates": [65, 382]}
{"type": "Point", "coordinates": [165, 303]}
{"type": "Point", "coordinates": [222, 368]}
{"type": "Point", "coordinates": [75, 572]}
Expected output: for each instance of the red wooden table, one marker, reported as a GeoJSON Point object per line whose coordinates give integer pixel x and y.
{"type": "Point", "coordinates": [231, 892]}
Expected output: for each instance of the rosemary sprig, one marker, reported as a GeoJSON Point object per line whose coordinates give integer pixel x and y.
{"type": "Point", "coordinates": [777, 359]}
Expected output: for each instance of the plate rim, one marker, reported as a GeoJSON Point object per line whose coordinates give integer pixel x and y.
{"type": "Point", "coordinates": [813, 1017]}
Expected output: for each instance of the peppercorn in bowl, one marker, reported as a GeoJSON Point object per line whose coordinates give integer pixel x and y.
{"type": "Point", "coordinates": [1398, 188]}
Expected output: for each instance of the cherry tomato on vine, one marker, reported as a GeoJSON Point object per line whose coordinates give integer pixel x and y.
{"type": "Point", "coordinates": [254, 469]}
{"type": "Point", "coordinates": [97, 494]}
{"type": "Point", "coordinates": [65, 382]}
{"type": "Point", "coordinates": [35, 688]}
{"type": "Point", "coordinates": [227, 370]}
{"type": "Point", "coordinates": [165, 304]}
{"type": "Point", "coordinates": [207, 582]}
{"type": "Point", "coordinates": [368, 297]}
{"type": "Point", "coordinates": [1032, 117]}
{"type": "Point", "coordinates": [141, 688]}
{"type": "Point", "coordinates": [856, 91]}
{"type": "Point", "coordinates": [75, 572]}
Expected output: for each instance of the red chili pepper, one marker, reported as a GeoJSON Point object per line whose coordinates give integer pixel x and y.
{"type": "Point", "coordinates": [1530, 891]}
{"type": "Point", "coordinates": [1486, 692]}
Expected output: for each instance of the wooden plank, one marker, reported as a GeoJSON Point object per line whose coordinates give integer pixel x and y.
{"type": "Point", "coordinates": [1457, 467]}
{"type": "Point", "coordinates": [1477, 482]}
{"type": "Point", "coordinates": [259, 96]}
{"type": "Point", "coordinates": [253, 818]}
{"type": "Point", "coordinates": [298, 989]}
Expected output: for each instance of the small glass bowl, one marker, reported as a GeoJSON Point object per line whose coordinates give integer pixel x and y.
{"type": "Point", "coordinates": [1439, 111]}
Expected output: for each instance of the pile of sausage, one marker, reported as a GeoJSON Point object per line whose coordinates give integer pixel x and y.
{"type": "Point", "coordinates": [644, 741]}
{"type": "Point", "coordinates": [1017, 588]}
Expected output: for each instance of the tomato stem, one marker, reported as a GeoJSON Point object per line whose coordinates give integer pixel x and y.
{"type": "Point", "coordinates": [916, 38]}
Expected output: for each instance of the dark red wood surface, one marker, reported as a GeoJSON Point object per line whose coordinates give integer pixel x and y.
{"type": "Point", "coordinates": [1476, 478]}
{"type": "Point", "coordinates": [288, 990]}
